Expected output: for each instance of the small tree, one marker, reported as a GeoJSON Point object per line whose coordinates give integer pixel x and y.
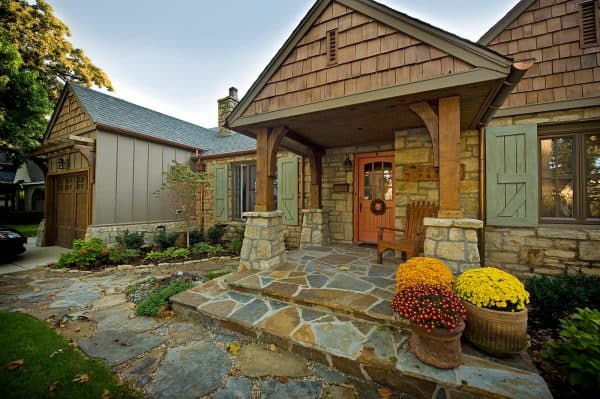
{"type": "Point", "coordinates": [183, 185]}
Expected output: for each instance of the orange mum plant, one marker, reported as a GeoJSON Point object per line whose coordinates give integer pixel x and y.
{"type": "Point", "coordinates": [421, 270]}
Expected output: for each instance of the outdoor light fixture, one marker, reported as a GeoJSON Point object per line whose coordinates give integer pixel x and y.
{"type": "Point", "coordinates": [61, 163]}
{"type": "Point", "coordinates": [347, 164]}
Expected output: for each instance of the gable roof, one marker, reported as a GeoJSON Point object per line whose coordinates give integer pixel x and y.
{"type": "Point", "coordinates": [463, 49]}
{"type": "Point", "coordinates": [109, 112]}
{"type": "Point", "coordinates": [505, 21]}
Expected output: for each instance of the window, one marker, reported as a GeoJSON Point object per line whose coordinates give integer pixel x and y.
{"type": "Point", "coordinates": [589, 23]}
{"type": "Point", "coordinates": [378, 181]}
{"type": "Point", "coordinates": [244, 189]}
{"type": "Point", "coordinates": [332, 47]}
{"type": "Point", "coordinates": [570, 175]}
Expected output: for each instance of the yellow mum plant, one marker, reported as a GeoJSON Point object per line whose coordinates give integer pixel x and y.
{"type": "Point", "coordinates": [492, 288]}
{"type": "Point", "coordinates": [421, 270]}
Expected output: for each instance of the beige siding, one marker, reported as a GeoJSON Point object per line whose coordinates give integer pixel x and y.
{"type": "Point", "coordinates": [370, 56]}
{"type": "Point", "coordinates": [549, 32]}
{"type": "Point", "coordinates": [128, 172]}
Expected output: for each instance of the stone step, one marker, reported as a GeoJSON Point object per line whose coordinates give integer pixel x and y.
{"type": "Point", "coordinates": [362, 348]}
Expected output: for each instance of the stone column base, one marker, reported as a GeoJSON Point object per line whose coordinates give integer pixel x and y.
{"type": "Point", "coordinates": [454, 241]}
{"type": "Point", "coordinates": [315, 228]}
{"type": "Point", "coordinates": [263, 247]}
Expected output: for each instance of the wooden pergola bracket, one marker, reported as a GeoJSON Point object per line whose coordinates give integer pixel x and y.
{"type": "Point", "coordinates": [431, 121]}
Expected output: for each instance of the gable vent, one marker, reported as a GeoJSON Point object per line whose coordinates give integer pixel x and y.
{"type": "Point", "coordinates": [588, 12]}
{"type": "Point", "coordinates": [332, 46]}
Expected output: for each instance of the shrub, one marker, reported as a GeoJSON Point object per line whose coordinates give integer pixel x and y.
{"type": "Point", "coordinates": [235, 245]}
{"type": "Point", "coordinates": [164, 239]}
{"type": "Point", "coordinates": [492, 288]}
{"type": "Point", "coordinates": [169, 253]}
{"type": "Point", "coordinates": [155, 256]}
{"type": "Point", "coordinates": [120, 255]}
{"type": "Point", "coordinates": [134, 240]}
{"type": "Point", "coordinates": [430, 306]}
{"type": "Point", "coordinates": [157, 300]}
{"type": "Point", "coordinates": [201, 248]}
{"type": "Point", "coordinates": [555, 297]}
{"type": "Point", "coordinates": [214, 234]}
{"type": "Point", "coordinates": [420, 270]}
{"type": "Point", "coordinates": [85, 254]}
{"type": "Point", "coordinates": [196, 236]}
{"type": "Point", "coordinates": [578, 349]}
{"type": "Point", "coordinates": [215, 250]}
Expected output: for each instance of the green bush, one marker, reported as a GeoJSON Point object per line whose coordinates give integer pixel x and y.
{"type": "Point", "coordinates": [134, 240]}
{"type": "Point", "coordinates": [578, 350]}
{"type": "Point", "coordinates": [120, 255]}
{"type": "Point", "coordinates": [214, 234]}
{"type": "Point", "coordinates": [157, 300]}
{"type": "Point", "coordinates": [164, 239]}
{"type": "Point", "coordinates": [235, 245]}
{"type": "Point", "coordinates": [215, 250]}
{"type": "Point", "coordinates": [85, 254]}
{"type": "Point", "coordinates": [555, 297]}
{"type": "Point", "coordinates": [196, 236]}
{"type": "Point", "coordinates": [169, 253]}
{"type": "Point", "coordinates": [201, 248]}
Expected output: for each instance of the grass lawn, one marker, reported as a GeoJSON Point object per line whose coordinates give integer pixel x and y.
{"type": "Point", "coordinates": [28, 230]}
{"type": "Point", "coordinates": [24, 337]}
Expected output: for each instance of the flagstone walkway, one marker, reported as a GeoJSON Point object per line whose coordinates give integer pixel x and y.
{"type": "Point", "coordinates": [332, 305]}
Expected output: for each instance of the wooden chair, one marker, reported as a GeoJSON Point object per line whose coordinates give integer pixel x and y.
{"type": "Point", "coordinates": [413, 237]}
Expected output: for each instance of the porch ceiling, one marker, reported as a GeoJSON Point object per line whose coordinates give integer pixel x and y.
{"type": "Point", "coordinates": [376, 121]}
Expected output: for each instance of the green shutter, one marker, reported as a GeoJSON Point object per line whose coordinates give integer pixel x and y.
{"type": "Point", "coordinates": [287, 189]}
{"type": "Point", "coordinates": [512, 175]}
{"type": "Point", "coordinates": [221, 193]}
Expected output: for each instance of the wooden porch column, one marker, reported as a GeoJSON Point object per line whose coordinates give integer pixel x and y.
{"type": "Point", "coordinates": [316, 167]}
{"type": "Point", "coordinates": [449, 147]}
{"type": "Point", "coordinates": [267, 144]}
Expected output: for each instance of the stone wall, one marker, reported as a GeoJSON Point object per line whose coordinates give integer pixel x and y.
{"type": "Point", "coordinates": [454, 241]}
{"type": "Point", "coordinates": [263, 247]}
{"type": "Point", "coordinates": [108, 233]}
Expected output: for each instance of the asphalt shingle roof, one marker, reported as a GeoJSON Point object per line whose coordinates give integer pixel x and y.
{"type": "Point", "coordinates": [112, 111]}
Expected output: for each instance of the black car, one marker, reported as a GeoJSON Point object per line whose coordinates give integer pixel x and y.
{"type": "Point", "coordinates": [11, 242]}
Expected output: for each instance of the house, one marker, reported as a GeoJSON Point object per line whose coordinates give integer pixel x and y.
{"type": "Point", "coordinates": [105, 159]}
{"type": "Point", "coordinates": [543, 145]}
{"type": "Point", "coordinates": [21, 187]}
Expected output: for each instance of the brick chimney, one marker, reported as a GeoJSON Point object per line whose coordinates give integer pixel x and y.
{"type": "Point", "coordinates": [226, 105]}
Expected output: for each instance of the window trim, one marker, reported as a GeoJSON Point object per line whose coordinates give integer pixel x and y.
{"type": "Point", "coordinates": [578, 131]}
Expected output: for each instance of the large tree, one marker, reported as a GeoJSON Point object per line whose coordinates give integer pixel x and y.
{"type": "Point", "coordinates": [24, 105]}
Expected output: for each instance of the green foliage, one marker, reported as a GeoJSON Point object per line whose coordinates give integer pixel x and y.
{"type": "Point", "coordinates": [205, 248]}
{"type": "Point", "coordinates": [555, 297]}
{"type": "Point", "coordinates": [196, 236]}
{"type": "Point", "coordinates": [136, 286]}
{"type": "Point", "coordinates": [215, 233]}
{"type": "Point", "coordinates": [42, 40]}
{"type": "Point", "coordinates": [164, 239]}
{"type": "Point", "coordinates": [578, 350]}
{"type": "Point", "coordinates": [169, 253]}
{"type": "Point", "coordinates": [235, 245]}
{"type": "Point", "coordinates": [215, 250]}
{"type": "Point", "coordinates": [153, 304]}
{"type": "Point", "coordinates": [121, 255]}
{"type": "Point", "coordinates": [23, 102]}
{"type": "Point", "coordinates": [134, 240]}
{"type": "Point", "coordinates": [85, 254]}
{"type": "Point", "coordinates": [48, 358]}
{"type": "Point", "coordinates": [217, 273]}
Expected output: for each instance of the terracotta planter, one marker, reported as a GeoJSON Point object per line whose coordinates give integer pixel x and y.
{"type": "Point", "coordinates": [439, 348]}
{"type": "Point", "coordinates": [495, 332]}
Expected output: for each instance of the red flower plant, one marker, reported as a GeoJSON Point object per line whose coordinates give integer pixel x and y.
{"type": "Point", "coordinates": [430, 306]}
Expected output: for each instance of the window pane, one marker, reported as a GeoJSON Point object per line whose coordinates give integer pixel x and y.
{"type": "Point", "coordinates": [592, 167]}
{"type": "Point", "coordinates": [368, 168]}
{"type": "Point", "coordinates": [557, 198]}
{"type": "Point", "coordinates": [558, 195]}
{"type": "Point", "coordinates": [557, 156]}
{"type": "Point", "coordinates": [377, 167]}
{"type": "Point", "coordinates": [387, 167]}
{"type": "Point", "coordinates": [388, 195]}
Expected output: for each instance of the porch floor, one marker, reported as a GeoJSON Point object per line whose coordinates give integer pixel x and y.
{"type": "Point", "coordinates": [332, 305]}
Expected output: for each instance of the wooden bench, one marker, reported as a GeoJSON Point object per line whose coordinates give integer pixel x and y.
{"type": "Point", "coordinates": [413, 237]}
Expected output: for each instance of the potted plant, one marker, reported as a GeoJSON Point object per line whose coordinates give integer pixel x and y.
{"type": "Point", "coordinates": [495, 301]}
{"type": "Point", "coordinates": [423, 270]}
{"type": "Point", "coordinates": [437, 318]}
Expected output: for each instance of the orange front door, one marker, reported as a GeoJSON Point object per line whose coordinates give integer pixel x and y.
{"type": "Point", "coordinates": [375, 175]}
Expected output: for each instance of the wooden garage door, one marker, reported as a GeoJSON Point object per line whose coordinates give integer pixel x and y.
{"type": "Point", "coordinates": [71, 208]}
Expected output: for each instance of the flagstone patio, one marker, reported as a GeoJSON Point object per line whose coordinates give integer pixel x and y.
{"type": "Point", "coordinates": [332, 305]}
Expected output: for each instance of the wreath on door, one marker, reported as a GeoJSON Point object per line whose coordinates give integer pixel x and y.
{"type": "Point", "coordinates": [378, 207]}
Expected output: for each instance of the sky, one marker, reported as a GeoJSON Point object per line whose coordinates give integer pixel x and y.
{"type": "Point", "coordinates": [179, 56]}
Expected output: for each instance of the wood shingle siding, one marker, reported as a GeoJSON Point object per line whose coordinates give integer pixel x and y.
{"type": "Point", "coordinates": [71, 120]}
{"type": "Point", "coordinates": [369, 56]}
{"type": "Point", "coordinates": [549, 31]}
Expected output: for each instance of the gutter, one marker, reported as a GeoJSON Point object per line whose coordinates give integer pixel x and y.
{"type": "Point", "coordinates": [146, 137]}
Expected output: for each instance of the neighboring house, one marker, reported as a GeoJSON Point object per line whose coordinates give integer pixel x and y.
{"type": "Point", "coordinates": [105, 159]}
{"type": "Point", "coordinates": [543, 145]}
{"type": "Point", "coordinates": [22, 187]}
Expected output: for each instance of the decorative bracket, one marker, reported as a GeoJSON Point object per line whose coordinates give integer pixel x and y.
{"type": "Point", "coordinates": [431, 121]}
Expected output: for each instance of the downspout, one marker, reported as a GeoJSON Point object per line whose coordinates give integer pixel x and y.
{"type": "Point", "coordinates": [482, 208]}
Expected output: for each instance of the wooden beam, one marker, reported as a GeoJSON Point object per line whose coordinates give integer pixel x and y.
{"type": "Point", "coordinates": [449, 145]}
{"type": "Point", "coordinates": [275, 136]}
{"type": "Point", "coordinates": [268, 141]}
{"type": "Point", "coordinates": [431, 121]}
{"type": "Point", "coordinates": [89, 153]}
{"type": "Point", "coordinates": [316, 166]}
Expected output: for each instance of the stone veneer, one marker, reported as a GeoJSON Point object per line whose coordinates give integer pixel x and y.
{"type": "Point", "coordinates": [263, 247]}
{"type": "Point", "coordinates": [108, 233]}
{"type": "Point", "coordinates": [315, 228]}
{"type": "Point", "coordinates": [454, 241]}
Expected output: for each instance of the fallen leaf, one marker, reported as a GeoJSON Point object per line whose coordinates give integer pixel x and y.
{"type": "Point", "coordinates": [283, 380]}
{"type": "Point", "coordinates": [233, 348]}
{"type": "Point", "coordinates": [81, 378]}
{"type": "Point", "coordinates": [317, 269]}
{"type": "Point", "coordinates": [349, 386]}
{"type": "Point", "coordinates": [234, 372]}
{"type": "Point", "coordinates": [130, 305]}
{"type": "Point", "coordinates": [77, 329]}
{"type": "Point", "coordinates": [344, 268]}
{"type": "Point", "coordinates": [15, 364]}
{"type": "Point", "coordinates": [53, 387]}
{"type": "Point", "coordinates": [124, 343]}
{"type": "Point", "coordinates": [272, 347]}
{"type": "Point", "coordinates": [106, 394]}
{"type": "Point", "coordinates": [384, 393]}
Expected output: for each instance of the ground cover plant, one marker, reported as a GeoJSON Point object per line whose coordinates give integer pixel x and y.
{"type": "Point", "coordinates": [156, 301]}
{"type": "Point", "coordinates": [37, 362]}
{"type": "Point", "coordinates": [134, 240]}
{"type": "Point", "coordinates": [85, 254]}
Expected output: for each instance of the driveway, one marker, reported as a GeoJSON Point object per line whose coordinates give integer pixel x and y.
{"type": "Point", "coordinates": [32, 258]}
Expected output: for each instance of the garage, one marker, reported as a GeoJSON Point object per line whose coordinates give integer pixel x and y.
{"type": "Point", "coordinates": [71, 207]}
